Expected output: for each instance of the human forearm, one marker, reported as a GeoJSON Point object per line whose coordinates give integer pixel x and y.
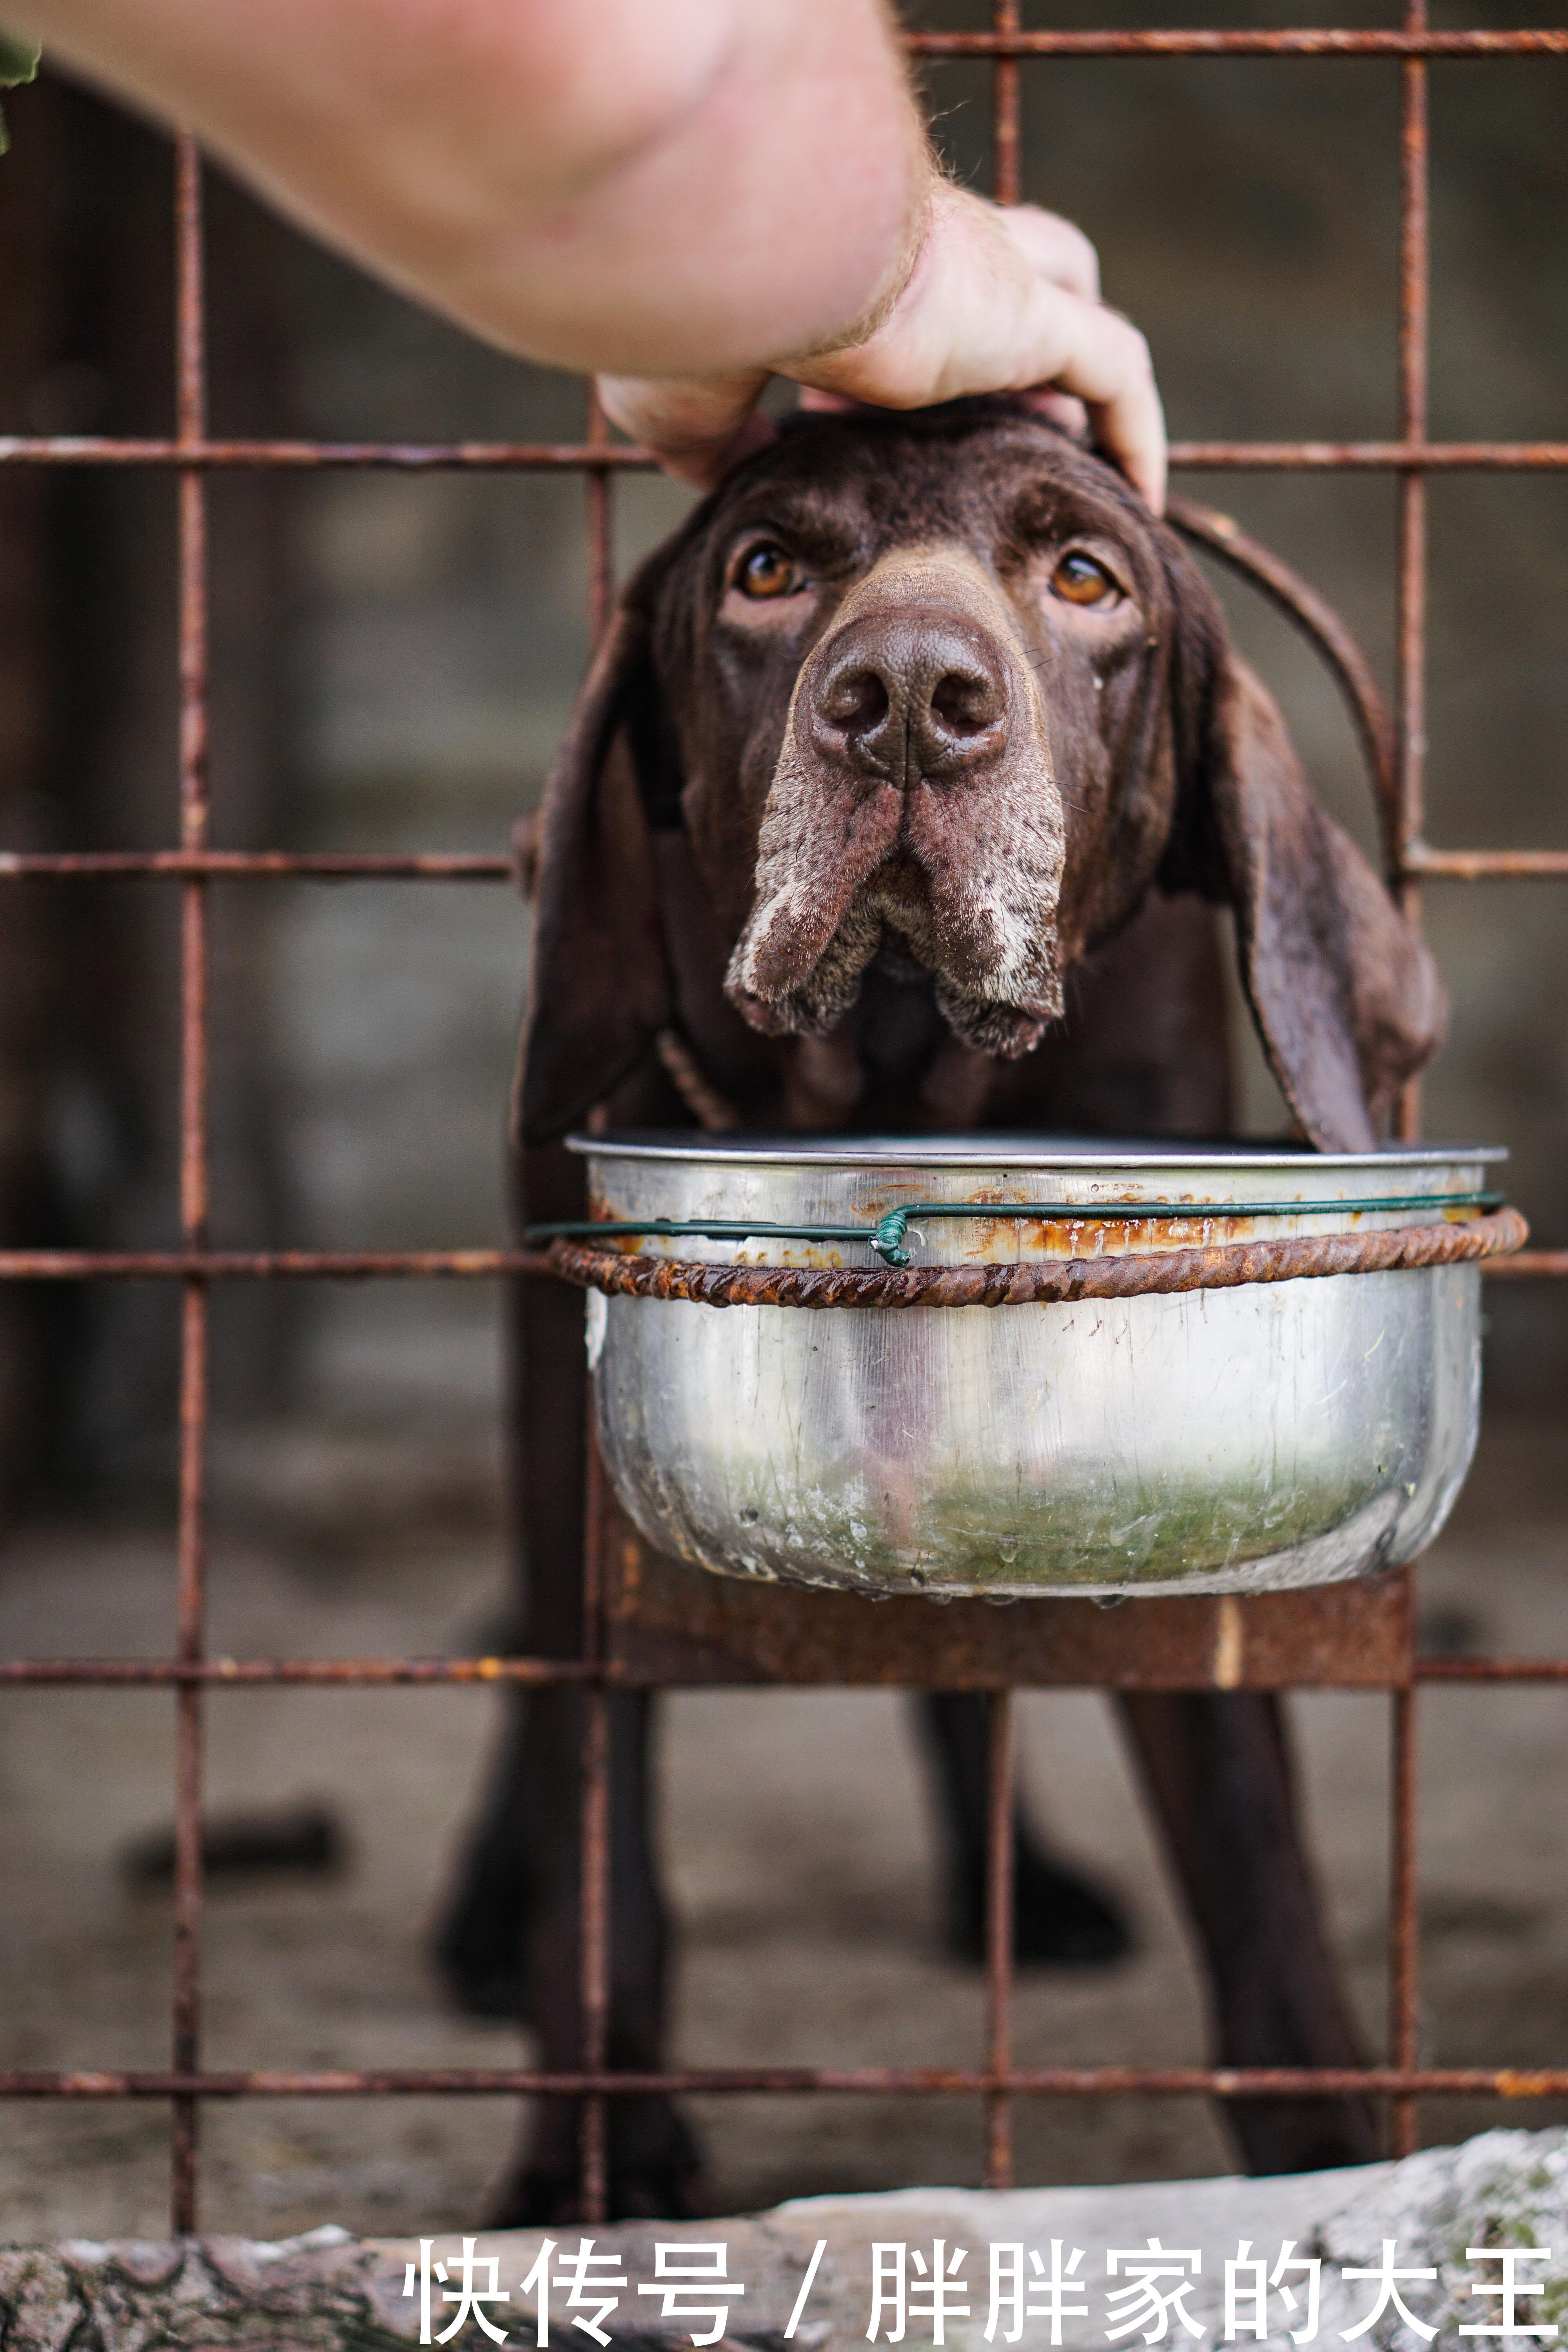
{"type": "Point", "coordinates": [680, 195]}
{"type": "Point", "coordinates": [701, 185]}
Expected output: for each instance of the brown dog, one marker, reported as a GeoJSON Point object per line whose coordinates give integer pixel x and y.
{"type": "Point", "coordinates": [891, 803]}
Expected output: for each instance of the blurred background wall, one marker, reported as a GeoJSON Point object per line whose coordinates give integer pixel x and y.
{"type": "Point", "coordinates": [394, 658]}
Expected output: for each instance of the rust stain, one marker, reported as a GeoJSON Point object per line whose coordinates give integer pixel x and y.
{"type": "Point", "coordinates": [1229, 1646]}
{"type": "Point", "coordinates": [1522, 2083]}
{"type": "Point", "coordinates": [678, 1625]}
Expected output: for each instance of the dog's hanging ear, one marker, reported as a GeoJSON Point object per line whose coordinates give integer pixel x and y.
{"type": "Point", "coordinates": [1346, 998]}
{"type": "Point", "coordinates": [598, 985]}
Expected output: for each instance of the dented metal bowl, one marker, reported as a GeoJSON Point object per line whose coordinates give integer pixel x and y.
{"type": "Point", "coordinates": [1225, 1441]}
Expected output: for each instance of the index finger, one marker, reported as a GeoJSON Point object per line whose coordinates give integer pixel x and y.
{"type": "Point", "coordinates": [977, 316]}
{"type": "Point", "coordinates": [1107, 364]}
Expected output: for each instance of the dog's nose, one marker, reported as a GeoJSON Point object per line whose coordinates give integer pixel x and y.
{"type": "Point", "coordinates": [911, 694]}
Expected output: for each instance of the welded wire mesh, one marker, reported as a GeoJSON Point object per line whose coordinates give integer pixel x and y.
{"type": "Point", "coordinates": [191, 863]}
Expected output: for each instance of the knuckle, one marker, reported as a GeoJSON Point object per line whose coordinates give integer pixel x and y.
{"type": "Point", "coordinates": [1084, 251]}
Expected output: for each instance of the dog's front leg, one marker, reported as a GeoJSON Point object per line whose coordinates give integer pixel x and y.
{"type": "Point", "coordinates": [1216, 1769]}
{"type": "Point", "coordinates": [536, 1808]}
{"type": "Point", "coordinates": [1058, 1916]}
{"type": "Point", "coordinates": [653, 2159]}
{"type": "Point", "coordinates": [479, 1939]}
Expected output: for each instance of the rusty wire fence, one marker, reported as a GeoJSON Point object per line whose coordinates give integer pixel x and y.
{"type": "Point", "coordinates": [191, 866]}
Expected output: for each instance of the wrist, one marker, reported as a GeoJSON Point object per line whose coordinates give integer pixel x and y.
{"type": "Point", "coordinates": [926, 183]}
{"type": "Point", "coordinates": [964, 273]}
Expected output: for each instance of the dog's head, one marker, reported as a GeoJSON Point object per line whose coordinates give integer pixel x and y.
{"type": "Point", "coordinates": [938, 689]}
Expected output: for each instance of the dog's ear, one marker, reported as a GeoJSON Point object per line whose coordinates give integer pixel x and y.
{"type": "Point", "coordinates": [598, 984]}
{"type": "Point", "coordinates": [1346, 998]}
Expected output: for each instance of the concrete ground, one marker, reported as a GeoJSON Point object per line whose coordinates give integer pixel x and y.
{"type": "Point", "coordinates": [796, 1844]}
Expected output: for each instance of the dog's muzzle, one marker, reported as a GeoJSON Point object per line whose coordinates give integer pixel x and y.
{"type": "Point", "coordinates": [912, 805]}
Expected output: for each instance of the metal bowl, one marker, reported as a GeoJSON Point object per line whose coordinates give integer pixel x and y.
{"type": "Point", "coordinates": [1224, 1441]}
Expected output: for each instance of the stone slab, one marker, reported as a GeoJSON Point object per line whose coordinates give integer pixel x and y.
{"type": "Point", "coordinates": [332, 2293]}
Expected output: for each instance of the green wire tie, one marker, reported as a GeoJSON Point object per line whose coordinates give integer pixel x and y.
{"type": "Point", "coordinates": [887, 1236]}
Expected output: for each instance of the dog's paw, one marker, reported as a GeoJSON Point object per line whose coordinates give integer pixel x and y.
{"type": "Point", "coordinates": [655, 2174]}
{"type": "Point", "coordinates": [537, 2200]}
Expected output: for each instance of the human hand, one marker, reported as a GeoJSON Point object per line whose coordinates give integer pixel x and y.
{"type": "Point", "coordinates": [999, 299]}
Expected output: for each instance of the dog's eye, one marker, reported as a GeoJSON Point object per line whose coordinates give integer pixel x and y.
{"type": "Point", "coordinates": [767, 572]}
{"type": "Point", "coordinates": [1081, 580]}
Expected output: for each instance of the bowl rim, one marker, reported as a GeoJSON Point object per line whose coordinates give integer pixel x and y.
{"type": "Point", "coordinates": [1077, 1155]}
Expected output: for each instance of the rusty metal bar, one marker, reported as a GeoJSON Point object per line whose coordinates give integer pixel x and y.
{"type": "Point", "coordinates": [1001, 1857]}
{"type": "Point", "coordinates": [594, 1847]}
{"type": "Point", "coordinates": [1296, 42]}
{"type": "Point", "coordinates": [1415, 285]}
{"type": "Point", "coordinates": [1006, 155]}
{"type": "Point", "coordinates": [1404, 2013]}
{"type": "Point", "coordinates": [266, 1265]}
{"type": "Point", "coordinates": [1001, 1864]}
{"type": "Point", "coordinates": [307, 457]}
{"type": "Point", "coordinates": [256, 866]}
{"type": "Point", "coordinates": [600, 520]}
{"type": "Point", "coordinates": [461, 1265]}
{"type": "Point", "coordinates": [849, 2081]}
{"type": "Point", "coordinates": [1420, 861]}
{"type": "Point", "coordinates": [1362, 456]}
{"type": "Point", "coordinates": [1410, 808]}
{"type": "Point", "coordinates": [575, 456]}
{"type": "Point", "coordinates": [1494, 1670]}
{"type": "Point", "coordinates": [248, 1674]}
{"type": "Point", "coordinates": [593, 1954]}
{"type": "Point", "coordinates": [195, 1176]}
{"type": "Point", "coordinates": [593, 1867]}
